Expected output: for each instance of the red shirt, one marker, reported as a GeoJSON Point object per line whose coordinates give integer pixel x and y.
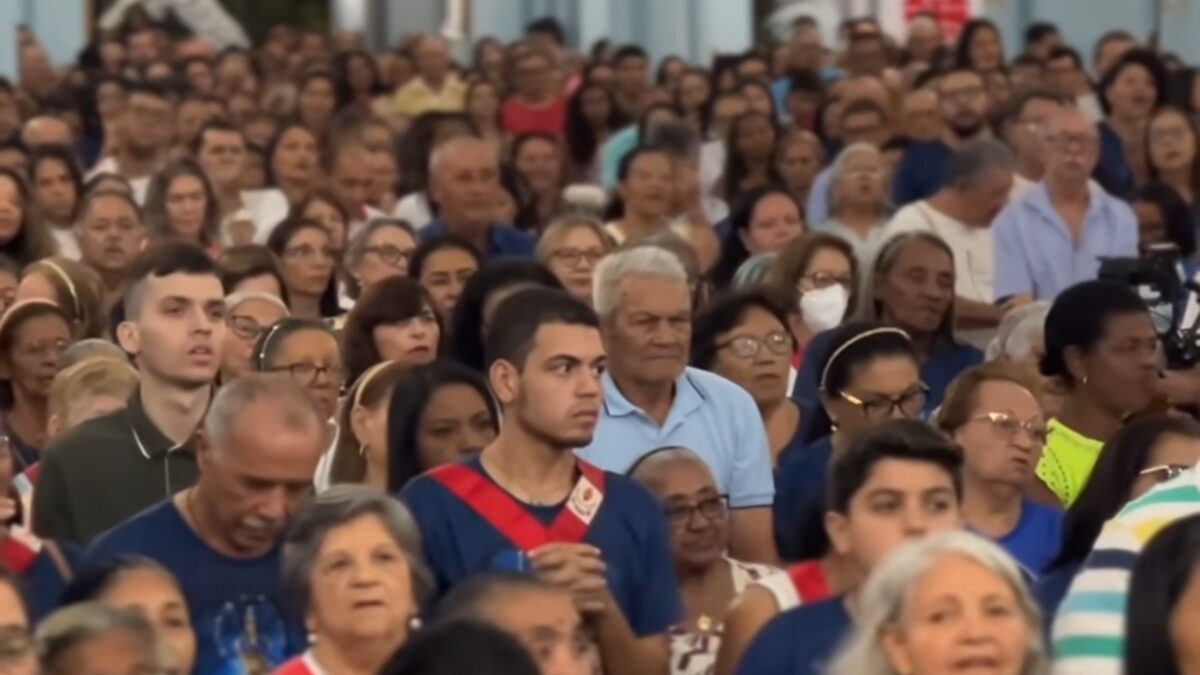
{"type": "Point", "coordinates": [809, 579]}
{"type": "Point", "coordinates": [518, 117]}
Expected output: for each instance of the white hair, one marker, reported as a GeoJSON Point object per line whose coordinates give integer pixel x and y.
{"type": "Point", "coordinates": [1018, 329]}
{"type": "Point", "coordinates": [639, 261]}
{"type": "Point", "coordinates": [438, 156]}
{"type": "Point", "coordinates": [890, 587]}
{"type": "Point", "coordinates": [235, 300]}
{"type": "Point", "coordinates": [290, 402]}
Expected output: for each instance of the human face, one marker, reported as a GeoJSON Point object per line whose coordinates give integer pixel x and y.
{"type": "Point", "coordinates": [386, 255]}
{"type": "Point", "coordinates": [540, 164]}
{"type": "Point", "coordinates": [534, 76]}
{"type": "Point", "coordinates": [484, 102]}
{"type": "Point", "coordinates": [444, 275]}
{"type": "Point", "coordinates": [1003, 437]}
{"type": "Point", "coordinates": [223, 156]}
{"type": "Point", "coordinates": [684, 486]}
{"type": "Point", "coordinates": [14, 634]}
{"type": "Point", "coordinates": [631, 75]}
{"type": "Point", "coordinates": [295, 158]}
{"type": "Point", "coordinates": [764, 373]}
{"type": "Point", "coordinates": [55, 191]}
{"type": "Point", "coordinates": [886, 378]}
{"type": "Point", "coordinates": [411, 341]}
{"type": "Point", "coordinates": [155, 595]}
{"type": "Point", "coordinates": [110, 235]}
{"type": "Point", "coordinates": [799, 164]}
{"type": "Point", "coordinates": [114, 652]}
{"type": "Point", "coordinates": [352, 177]}
{"type": "Point", "coordinates": [190, 118]}
{"type": "Point", "coordinates": [246, 323]}
{"type": "Point", "coordinates": [187, 204]}
{"type": "Point", "coordinates": [986, 52]}
{"type": "Point", "coordinates": [649, 332]}
{"type": "Point", "coordinates": [33, 361]}
{"type": "Point", "coordinates": [694, 91]}
{"type": "Point", "coordinates": [179, 331]}
{"type": "Point", "coordinates": [775, 221]}
{"type": "Point", "coordinates": [548, 625]}
{"type": "Point", "coordinates": [433, 59]}
{"type": "Point", "coordinates": [755, 140]}
{"type": "Point", "coordinates": [147, 123]}
{"type": "Point", "coordinates": [361, 584]}
{"type": "Point", "coordinates": [313, 359]}
{"type": "Point", "coordinates": [574, 261]}
{"type": "Point", "coordinates": [1071, 146]}
{"type": "Point", "coordinates": [963, 102]}
{"type": "Point", "coordinates": [12, 209]}
{"type": "Point", "coordinates": [960, 617]}
{"type": "Point", "coordinates": [597, 106]}
{"type": "Point", "coordinates": [455, 423]}
{"type": "Point", "coordinates": [827, 266]}
{"type": "Point", "coordinates": [331, 217]}
{"type": "Point", "coordinates": [727, 108]}
{"type": "Point", "coordinates": [316, 103]}
{"type": "Point", "coordinates": [1170, 450]}
{"type": "Point", "coordinates": [987, 196]}
{"type": "Point", "coordinates": [1132, 94]}
{"type": "Point", "coordinates": [1031, 125]}
{"type": "Point", "coordinates": [1122, 368]}
{"type": "Point", "coordinates": [861, 181]}
{"type": "Point", "coordinates": [758, 99]}
{"type": "Point", "coordinates": [647, 190]}
{"type": "Point", "coordinates": [902, 500]}
{"type": "Point", "coordinates": [465, 183]}
{"type": "Point", "coordinates": [200, 77]}
{"type": "Point", "coordinates": [1172, 144]}
{"type": "Point", "coordinates": [1152, 225]}
{"type": "Point", "coordinates": [919, 115]}
{"type": "Point", "coordinates": [916, 292]}
{"type": "Point", "coordinates": [308, 262]}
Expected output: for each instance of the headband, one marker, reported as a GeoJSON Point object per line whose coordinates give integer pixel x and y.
{"type": "Point", "coordinates": [62, 275]}
{"type": "Point", "coordinates": [12, 310]}
{"type": "Point", "coordinates": [886, 330]}
{"type": "Point", "coordinates": [262, 351]}
{"type": "Point", "coordinates": [364, 381]}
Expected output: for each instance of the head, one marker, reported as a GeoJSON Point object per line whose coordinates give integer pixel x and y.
{"type": "Point", "coordinates": [1024, 126]}
{"type": "Point", "coordinates": [798, 160]}
{"type": "Point", "coordinates": [980, 178]}
{"type": "Point", "coordinates": [744, 338]}
{"type": "Point", "coordinates": [475, 313]}
{"type": "Point", "coordinates": [325, 207]}
{"type": "Point", "coordinates": [147, 122]}
{"type": "Point", "coordinates": [248, 314]}
{"type": "Point", "coordinates": [394, 320]}
{"type": "Point", "coordinates": [307, 254]}
{"type": "Point", "coordinates": [361, 453]}
{"type": "Point", "coordinates": [252, 268]}
{"type": "Point", "coordinates": [87, 390]}
{"type": "Point", "coordinates": [631, 70]}
{"type": "Point", "coordinates": [292, 157]}
{"type": "Point", "coordinates": [980, 47]}
{"type": "Point", "coordinates": [1133, 86]}
{"type": "Point", "coordinates": [570, 248]}
{"type": "Point", "coordinates": [221, 150]}
{"type": "Point", "coordinates": [1021, 342]}
{"type": "Point", "coordinates": [1163, 218]}
{"type": "Point", "coordinates": [308, 351]}
{"type": "Point", "coordinates": [23, 236]}
{"type": "Point", "coordinates": [538, 159]}
{"type": "Point", "coordinates": [97, 638]}
{"type": "Point", "coordinates": [1070, 147]}
{"type": "Point", "coordinates": [859, 180]}
{"type": "Point", "coordinates": [57, 183]}
{"type": "Point", "coordinates": [181, 204]}
{"type": "Point", "coordinates": [380, 250]}
{"type": "Point", "coordinates": [317, 99]}
{"type": "Point", "coordinates": [443, 265]}
{"type": "Point", "coordinates": [74, 287]}
{"type": "Point", "coordinates": [646, 183]}
{"type": "Point", "coordinates": [696, 511]}
{"type": "Point", "coordinates": [1171, 143]}
{"type": "Point", "coordinates": [963, 100]}
{"type": "Point", "coordinates": [33, 333]}
{"type": "Point", "coordinates": [432, 57]}
{"type": "Point", "coordinates": [818, 273]}
{"type": "Point", "coordinates": [863, 121]}
{"type": "Point", "coordinates": [910, 285]}
{"type": "Point", "coordinates": [349, 167]}
{"type": "Point", "coordinates": [1162, 598]}
{"type": "Point", "coordinates": [464, 175]}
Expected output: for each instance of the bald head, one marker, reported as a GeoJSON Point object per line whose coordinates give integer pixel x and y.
{"type": "Point", "coordinates": [46, 130]}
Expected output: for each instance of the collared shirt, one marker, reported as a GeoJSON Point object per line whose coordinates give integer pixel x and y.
{"type": "Point", "coordinates": [504, 241]}
{"type": "Point", "coordinates": [417, 97]}
{"type": "Point", "coordinates": [1036, 252]}
{"type": "Point", "coordinates": [711, 416]}
{"type": "Point", "coordinates": [106, 470]}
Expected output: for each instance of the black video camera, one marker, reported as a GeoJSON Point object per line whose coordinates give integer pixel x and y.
{"type": "Point", "coordinates": [1172, 299]}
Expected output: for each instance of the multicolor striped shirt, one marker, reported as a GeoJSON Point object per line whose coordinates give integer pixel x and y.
{"type": "Point", "coordinates": [1089, 631]}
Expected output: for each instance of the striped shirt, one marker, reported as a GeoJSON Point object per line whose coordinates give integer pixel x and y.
{"type": "Point", "coordinates": [1089, 631]}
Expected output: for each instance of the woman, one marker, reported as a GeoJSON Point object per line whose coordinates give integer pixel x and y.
{"type": "Point", "coordinates": [98, 639]}
{"type": "Point", "coordinates": [317, 101]}
{"type": "Point", "coordinates": [443, 265]}
{"type": "Point", "coordinates": [292, 161]}
{"type": "Point", "coordinates": [759, 97]}
{"type": "Point", "coordinates": [361, 456]}
{"type": "Point", "coordinates": [979, 47]}
{"type": "Point", "coordinates": [1021, 341]}
{"type": "Point", "coordinates": [1101, 345]}
{"type": "Point", "coordinates": [22, 236]}
{"type": "Point", "coordinates": [381, 250]}
{"type": "Point", "coordinates": [744, 338]}
{"type": "Point", "coordinates": [698, 518]}
{"type": "Point", "coordinates": [481, 296]}
{"type": "Point", "coordinates": [538, 159]}
{"type": "Point", "coordinates": [393, 321]}
{"type": "Point", "coordinates": [33, 334]}
{"type": "Point", "coordinates": [592, 117]}
{"type": "Point", "coordinates": [57, 188]}
{"type": "Point", "coordinates": [764, 220]}
{"type": "Point", "coordinates": [481, 104]}
{"type": "Point", "coordinates": [1165, 219]}
{"type": "Point", "coordinates": [16, 622]}
{"type": "Point", "coordinates": [248, 314]}
{"type": "Point", "coordinates": [348, 547]}
{"type": "Point", "coordinates": [818, 272]}
{"type": "Point", "coordinates": [691, 97]}
{"type": "Point", "coordinates": [570, 248]}
{"type": "Point", "coordinates": [181, 204]}
{"type": "Point", "coordinates": [306, 250]}
{"type": "Point", "coordinates": [799, 157]}
{"type": "Point", "coordinates": [1160, 606]}
{"type": "Point", "coordinates": [1129, 92]}
{"type": "Point", "coordinates": [991, 412]}
{"type": "Point", "coordinates": [905, 626]}
{"type": "Point", "coordinates": [75, 288]}
{"type": "Point", "coordinates": [359, 76]}
{"type": "Point", "coordinates": [144, 587]}
{"type": "Point", "coordinates": [439, 413]}
{"type": "Point", "coordinates": [309, 352]}
{"type": "Point", "coordinates": [86, 390]}
{"type": "Point", "coordinates": [750, 155]}
{"type": "Point", "coordinates": [251, 269]}
{"type": "Point", "coordinates": [325, 208]}
{"type": "Point", "coordinates": [644, 195]}
{"type": "Point", "coordinates": [858, 198]}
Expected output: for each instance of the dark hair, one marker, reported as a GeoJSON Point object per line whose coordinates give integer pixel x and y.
{"type": "Point", "coordinates": [341, 65]}
{"type": "Point", "coordinates": [1065, 52]}
{"type": "Point", "coordinates": [273, 147]}
{"type": "Point", "coordinates": [31, 242]}
{"type": "Point", "coordinates": [744, 84]}
{"type": "Point", "coordinates": [1176, 215]}
{"type": "Point", "coordinates": [548, 25]}
{"type": "Point", "coordinates": [392, 300]}
{"type": "Point", "coordinates": [409, 399]}
{"type": "Point", "coordinates": [159, 260]}
{"type": "Point", "coordinates": [416, 146]}
{"type": "Point", "coordinates": [1038, 31]}
{"type": "Point", "coordinates": [1161, 574]}
{"type": "Point", "coordinates": [519, 317]}
{"type": "Point", "coordinates": [711, 106]}
{"type": "Point", "coordinates": [581, 141]}
{"type": "Point", "coordinates": [522, 195]}
{"type": "Point", "coordinates": [736, 168]}
{"type": "Point", "coordinates": [962, 49]}
{"type": "Point", "coordinates": [269, 342]}
{"type": "Point", "coordinates": [1079, 317]}
{"type": "Point", "coordinates": [335, 83]}
{"type": "Point", "coordinates": [278, 241]}
{"type": "Point", "coordinates": [157, 218]}
{"type": "Point", "coordinates": [15, 317]}
{"type": "Point", "coordinates": [1117, 35]}
{"type": "Point", "coordinates": [629, 52]}
{"type": "Point", "coordinates": [147, 88]}
{"type": "Point", "coordinates": [476, 83]}
{"type": "Point", "coordinates": [239, 263]}
{"type": "Point", "coordinates": [723, 315]}
{"type": "Point", "coordinates": [439, 651]}
{"type": "Point", "coordinates": [733, 246]}
{"type": "Point", "coordinates": [215, 125]}
{"type": "Point", "coordinates": [324, 195]}
{"type": "Point", "coordinates": [94, 580]}
{"type": "Point", "coordinates": [895, 439]}
{"type": "Point", "coordinates": [64, 156]}
{"type": "Point", "coordinates": [1188, 122]}
{"type": "Point", "coordinates": [430, 246]}
{"type": "Point", "coordinates": [467, 322]}
{"type": "Point", "coordinates": [466, 601]}
{"type": "Point", "coordinates": [1136, 57]}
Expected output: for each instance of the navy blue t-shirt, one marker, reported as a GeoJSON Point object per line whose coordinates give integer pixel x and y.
{"type": "Point", "coordinates": [237, 605]}
{"type": "Point", "coordinates": [629, 529]}
{"type": "Point", "coordinates": [799, 509]}
{"type": "Point", "coordinates": [800, 641]}
{"type": "Point", "coordinates": [44, 581]}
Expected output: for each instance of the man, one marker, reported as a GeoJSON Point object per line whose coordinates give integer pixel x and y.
{"type": "Point", "coordinates": [904, 464]}
{"type": "Point", "coordinates": [543, 617]}
{"type": "Point", "coordinates": [526, 504]}
{"type": "Point", "coordinates": [537, 106]}
{"type": "Point", "coordinates": [109, 468]}
{"type": "Point", "coordinates": [631, 80]}
{"type": "Point", "coordinates": [924, 42]}
{"type": "Point", "coordinates": [220, 148]}
{"type": "Point", "coordinates": [963, 101]}
{"type": "Point", "coordinates": [144, 131]}
{"type": "Point", "coordinates": [142, 47]}
{"type": "Point", "coordinates": [220, 539]}
{"type": "Point", "coordinates": [920, 117]}
{"type": "Point", "coordinates": [110, 232]}
{"type": "Point", "coordinates": [192, 114]}
{"type": "Point", "coordinates": [46, 130]}
{"type": "Point", "coordinates": [1040, 38]}
{"type": "Point", "coordinates": [652, 399]}
{"type": "Point", "coordinates": [464, 177]}
{"type": "Point", "coordinates": [977, 185]}
{"type": "Point", "coordinates": [861, 121]}
{"type": "Point", "coordinates": [348, 165]}
{"type": "Point", "coordinates": [1055, 236]}
{"type": "Point", "coordinates": [435, 88]}
{"type": "Point", "coordinates": [1065, 74]}
{"type": "Point", "coordinates": [1022, 125]}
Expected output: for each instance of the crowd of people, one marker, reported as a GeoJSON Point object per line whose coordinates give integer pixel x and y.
{"type": "Point", "coordinates": [323, 361]}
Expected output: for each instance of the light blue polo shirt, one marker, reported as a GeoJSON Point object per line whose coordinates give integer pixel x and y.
{"type": "Point", "coordinates": [1035, 252]}
{"type": "Point", "coordinates": [710, 416]}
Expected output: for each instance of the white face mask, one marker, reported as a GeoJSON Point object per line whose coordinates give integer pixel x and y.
{"type": "Point", "coordinates": [824, 308]}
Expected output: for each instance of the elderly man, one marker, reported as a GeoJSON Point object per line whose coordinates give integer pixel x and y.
{"type": "Point", "coordinates": [464, 179]}
{"type": "Point", "coordinates": [653, 399]}
{"type": "Point", "coordinates": [435, 88]}
{"type": "Point", "coordinates": [46, 130]}
{"type": "Point", "coordinates": [1055, 236]}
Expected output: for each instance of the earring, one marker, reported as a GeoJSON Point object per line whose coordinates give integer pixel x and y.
{"type": "Point", "coordinates": [362, 449]}
{"type": "Point", "coordinates": [1085, 380]}
{"type": "Point", "coordinates": [414, 623]}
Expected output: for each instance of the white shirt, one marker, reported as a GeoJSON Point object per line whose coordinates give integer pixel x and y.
{"type": "Point", "coordinates": [68, 245]}
{"type": "Point", "coordinates": [414, 209]}
{"type": "Point", "coordinates": [109, 165]}
{"type": "Point", "coordinates": [267, 208]}
{"type": "Point", "coordinates": [712, 165]}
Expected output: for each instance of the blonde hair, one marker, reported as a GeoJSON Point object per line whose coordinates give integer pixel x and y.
{"type": "Point", "coordinates": [558, 230]}
{"type": "Point", "coordinates": [99, 376]}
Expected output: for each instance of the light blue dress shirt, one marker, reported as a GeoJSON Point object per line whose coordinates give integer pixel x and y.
{"type": "Point", "coordinates": [816, 211]}
{"type": "Point", "coordinates": [710, 416]}
{"type": "Point", "coordinates": [1035, 252]}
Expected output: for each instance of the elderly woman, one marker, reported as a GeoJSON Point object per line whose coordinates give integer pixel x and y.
{"type": "Point", "coordinates": [903, 627]}
{"type": "Point", "coordinates": [353, 564]}
{"type": "Point", "coordinates": [381, 250]}
{"type": "Point", "coordinates": [97, 639]}
{"type": "Point", "coordinates": [571, 247]}
{"type": "Point", "coordinates": [1021, 340]}
{"type": "Point", "coordinates": [858, 200]}
{"type": "Point", "coordinates": [248, 314]}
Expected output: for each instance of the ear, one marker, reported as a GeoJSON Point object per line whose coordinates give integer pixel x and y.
{"type": "Point", "coordinates": [204, 449]}
{"type": "Point", "coordinates": [504, 379]}
{"type": "Point", "coordinates": [837, 527]}
{"type": "Point", "coordinates": [129, 338]}
{"type": "Point", "coordinates": [891, 641]}
{"type": "Point", "coordinates": [829, 403]}
{"type": "Point", "coordinates": [1076, 363]}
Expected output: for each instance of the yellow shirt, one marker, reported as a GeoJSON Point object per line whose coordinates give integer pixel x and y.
{"type": "Point", "coordinates": [1067, 461]}
{"type": "Point", "coordinates": [417, 97]}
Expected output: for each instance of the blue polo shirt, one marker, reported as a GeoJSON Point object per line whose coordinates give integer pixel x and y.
{"type": "Point", "coordinates": [629, 529]}
{"type": "Point", "coordinates": [504, 241]}
{"type": "Point", "coordinates": [1036, 253]}
{"type": "Point", "coordinates": [800, 641]}
{"type": "Point", "coordinates": [710, 416]}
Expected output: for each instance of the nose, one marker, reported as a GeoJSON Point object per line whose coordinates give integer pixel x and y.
{"type": "Point", "coordinates": [589, 384]}
{"type": "Point", "coordinates": [567, 662]}
{"type": "Point", "coordinates": [274, 505]}
{"type": "Point", "coordinates": [916, 522]}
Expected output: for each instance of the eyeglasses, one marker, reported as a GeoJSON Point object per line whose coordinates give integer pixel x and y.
{"type": "Point", "coordinates": [392, 255]}
{"type": "Point", "coordinates": [713, 509]}
{"type": "Point", "coordinates": [571, 257]}
{"type": "Point", "coordinates": [748, 346]}
{"type": "Point", "coordinates": [1007, 426]}
{"type": "Point", "coordinates": [1164, 472]}
{"type": "Point", "coordinates": [309, 372]}
{"type": "Point", "coordinates": [910, 404]}
{"type": "Point", "coordinates": [245, 327]}
{"type": "Point", "coordinates": [820, 280]}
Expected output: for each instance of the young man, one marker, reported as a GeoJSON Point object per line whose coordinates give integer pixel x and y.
{"type": "Point", "coordinates": [895, 483]}
{"type": "Point", "coordinates": [257, 453]}
{"type": "Point", "coordinates": [526, 504]}
{"type": "Point", "coordinates": [112, 467]}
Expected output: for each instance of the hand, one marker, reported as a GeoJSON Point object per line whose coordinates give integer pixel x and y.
{"type": "Point", "coordinates": [1016, 301]}
{"type": "Point", "coordinates": [577, 568]}
{"type": "Point", "coordinates": [1180, 387]}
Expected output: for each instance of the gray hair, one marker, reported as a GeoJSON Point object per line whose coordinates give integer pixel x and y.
{"type": "Point", "coordinates": [438, 156]}
{"type": "Point", "coordinates": [839, 165]}
{"type": "Point", "coordinates": [334, 508]}
{"type": "Point", "coordinates": [976, 160]}
{"type": "Point", "coordinates": [1015, 336]}
{"type": "Point", "coordinates": [889, 589]}
{"type": "Point", "coordinates": [235, 300]}
{"type": "Point", "coordinates": [881, 261]}
{"type": "Point", "coordinates": [356, 249]}
{"type": "Point", "coordinates": [73, 625]}
{"type": "Point", "coordinates": [290, 401]}
{"type": "Point", "coordinates": [639, 261]}
{"type": "Point", "coordinates": [753, 271]}
{"type": "Point", "coordinates": [91, 348]}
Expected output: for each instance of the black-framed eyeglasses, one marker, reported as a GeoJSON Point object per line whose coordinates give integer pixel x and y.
{"type": "Point", "coordinates": [1007, 426]}
{"type": "Point", "coordinates": [748, 346]}
{"type": "Point", "coordinates": [392, 255]}
{"type": "Point", "coordinates": [1164, 472]}
{"type": "Point", "coordinates": [571, 257]}
{"type": "Point", "coordinates": [910, 404]}
{"type": "Point", "coordinates": [245, 327]}
{"type": "Point", "coordinates": [308, 373]}
{"type": "Point", "coordinates": [713, 509]}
